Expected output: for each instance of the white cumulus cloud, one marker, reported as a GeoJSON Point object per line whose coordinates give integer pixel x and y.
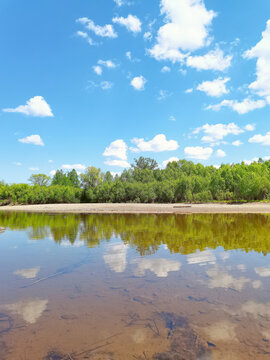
{"type": "Point", "coordinates": [261, 139]}
{"type": "Point", "coordinates": [117, 149]}
{"type": "Point", "coordinates": [117, 163]}
{"type": "Point", "coordinates": [36, 106]}
{"type": "Point", "coordinates": [103, 31]}
{"type": "Point", "coordinates": [215, 133]}
{"type": "Point", "coordinates": [32, 139]}
{"type": "Point", "coordinates": [97, 69]}
{"type": "Point", "coordinates": [73, 166]}
{"type": "Point", "coordinates": [237, 143]}
{"type": "Point", "coordinates": [119, 2]}
{"type": "Point", "coordinates": [107, 63]}
{"type": "Point", "coordinates": [198, 152]}
{"type": "Point", "coordinates": [147, 35]}
{"type": "Point", "coordinates": [166, 69]}
{"type": "Point", "coordinates": [214, 88]}
{"type": "Point", "coordinates": [250, 127]}
{"type": "Point", "coordinates": [138, 82]}
{"type": "Point", "coordinates": [158, 144]}
{"type": "Point", "coordinates": [186, 29]}
{"type": "Point", "coordinates": [220, 153]}
{"type": "Point", "coordinates": [85, 36]}
{"type": "Point", "coordinates": [261, 51]}
{"type": "Point", "coordinates": [242, 107]}
{"type": "Point", "coordinates": [214, 60]}
{"type": "Point", "coordinates": [132, 23]}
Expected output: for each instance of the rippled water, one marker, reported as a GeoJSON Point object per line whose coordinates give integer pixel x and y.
{"type": "Point", "coordinates": [134, 287]}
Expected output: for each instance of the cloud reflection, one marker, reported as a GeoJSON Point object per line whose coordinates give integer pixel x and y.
{"type": "Point", "coordinates": [160, 267]}
{"type": "Point", "coordinates": [28, 273]}
{"type": "Point", "coordinates": [116, 257]}
{"type": "Point", "coordinates": [221, 331]}
{"type": "Point", "coordinates": [202, 258]}
{"type": "Point", "coordinates": [218, 278]}
{"type": "Point", "coordinates": [30, 310]}
{"type": "Point", "coordinates": [262, 271]}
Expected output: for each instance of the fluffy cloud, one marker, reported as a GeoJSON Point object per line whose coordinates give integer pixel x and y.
{"type": "Point", "coordinates": [119, 2]}
{"type": "Point", "coordinates": [117, 149]}
{"type": "Point", "coordinates": [103, 31]}
{"type": "Point", "coordinates": [138, 82]}
{"type": "Point", "coordinates": [131, 58]}
{"type": "Point", "coordinates": [34, 168]}
{"type": "Point", "coordinates": [158, 144]}
{"type": "Point", "coordinates": [107, 63]}
{"type": "Point", "coordinates": [132, 23]}
{"type": "Point", "coordinates": [186, 29]}
{"type": "Point", "coordinates": [166, 69]}
{"type": "Point", "coordinates": [104, 85]}
{"type": "Point", "coordinates": [214, 60]}
{"type": "Point", "coordinates": [36, 106]}
{"type": "Point", "coordinates": [220, 153]}
{"type": "Point", "coordinates": [74, 166]}
{"type": "Point", "coordinates": [261, 139]}
{"type": "Point", "coordinates": [261, 51]}
{"type": "Point", "coordinates": [118, 163]}
{"type": "Point", "coordinates": [85, 36]}
{"type": "Point", "coordinates": [214, 88]}
{"type": "Point", "coordinates": [250, 127]}
{"type": "Point", "coordinates": [163, 94]}
{"type": "Point", "coordinates": [52, 172]}
{"type": "Point", "coordinates": [215, 133]}
{"type": "Point", "coordinates": [198, 152]}
{"type": "Point", "coordinates": [237, 143]}
{"type": "Point", "coordinates": [147, 36]}
{"type": "Point", "coordinates": [32, 139]}
{"type": "Point", "coordinates": [240, 107]}
{"type": "Point", "coordinates": [171, 159]}
{"type": "Point", "coordinates": [97, 69]}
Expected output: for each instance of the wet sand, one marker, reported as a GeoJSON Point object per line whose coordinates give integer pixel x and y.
{"type": "Point", "coordinates": [213, 208]}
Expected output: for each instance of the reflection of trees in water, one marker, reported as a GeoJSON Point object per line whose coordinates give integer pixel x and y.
{"type": "Point", "coordinates": [181, 233]}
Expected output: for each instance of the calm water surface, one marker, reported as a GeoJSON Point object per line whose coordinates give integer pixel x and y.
{"type": "Point", "coordinates": [120, 287]}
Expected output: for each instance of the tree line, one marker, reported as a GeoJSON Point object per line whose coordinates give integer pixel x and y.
{"type": "Point", "coordinates": [145, 182]}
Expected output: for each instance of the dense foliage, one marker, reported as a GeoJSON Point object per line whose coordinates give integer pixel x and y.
{"type": "Point", "coordinates": [181, 181]}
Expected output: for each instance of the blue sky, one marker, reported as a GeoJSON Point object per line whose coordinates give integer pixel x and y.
{"type": "Point", "coordinates": [100, 82]}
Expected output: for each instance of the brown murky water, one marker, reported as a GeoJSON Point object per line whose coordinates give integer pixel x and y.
{"type": "Point", "coordinates": [134, 287]}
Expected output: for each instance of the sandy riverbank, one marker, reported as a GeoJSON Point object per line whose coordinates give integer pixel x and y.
{"type": "Point", "coordinates": [253, 208]}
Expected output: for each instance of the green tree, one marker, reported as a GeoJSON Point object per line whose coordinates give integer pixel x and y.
{"type": "Point", "coordinates": [145, 163]}
{"type": "Point", "coordinates": [73, 178]}
{"type": "Point", "coordinates": [92, 177]}
{"type": "Point", "coordinates": [39, 179]}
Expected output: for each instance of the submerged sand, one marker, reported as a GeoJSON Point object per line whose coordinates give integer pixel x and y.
{"type": "Point", "coordinates": [247, 208]}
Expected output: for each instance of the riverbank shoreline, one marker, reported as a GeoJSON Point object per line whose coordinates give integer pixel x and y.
{"type": "Point", "coordinates": [180, 208]}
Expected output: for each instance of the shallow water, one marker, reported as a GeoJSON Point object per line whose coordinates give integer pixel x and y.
{"type": "Point", "coordinates": [134, 287]}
